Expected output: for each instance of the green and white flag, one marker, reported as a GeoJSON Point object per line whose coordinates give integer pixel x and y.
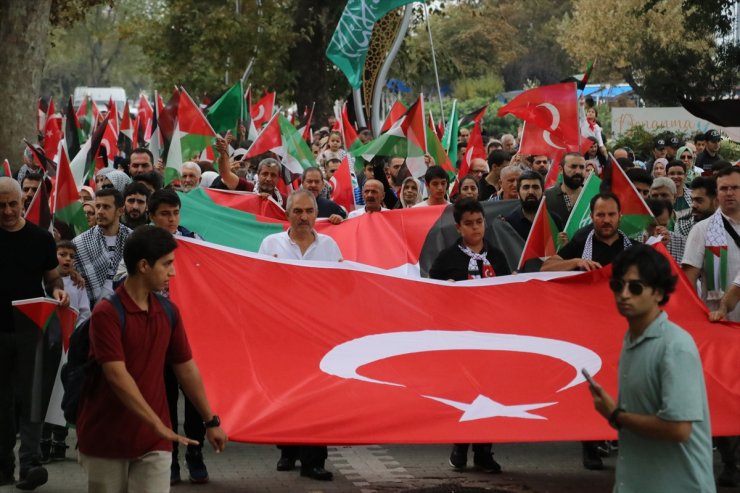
{"type": "Point", "coordinates": [449, 139]}
{"type": "Point", "coordinates": [580, 216]}
{"type": "Point", "coordinates": [348, 47]}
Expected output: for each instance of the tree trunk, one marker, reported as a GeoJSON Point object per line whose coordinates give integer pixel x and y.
{"type": "Point", "coordinates": [24, 32]}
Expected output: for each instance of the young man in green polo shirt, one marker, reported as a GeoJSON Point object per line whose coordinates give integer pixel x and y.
{"type": "Point", "coordinates": [661, 413]}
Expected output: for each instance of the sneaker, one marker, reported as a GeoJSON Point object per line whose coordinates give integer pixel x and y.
{"type": "Point", "coordinates": [58, 451]}
{"type": "Point", "coordinates": [730, 476]}
{"type": "Point", "coordinates": [174, 473]}
{"type": "Point", "coordinates": [196, 467]}
{"type": "Point", "coordinates": [45, 447]}
{"type": "Point", "coordinates": [458, 457]}
{"type": "Point", "coordinates": [486, 463]}
{"type": "Point", "coordinates": [32, 478]}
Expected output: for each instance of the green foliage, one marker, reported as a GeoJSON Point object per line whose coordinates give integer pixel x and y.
{"type": "Point", "coordinates": [642, 141]}
{"type": "Point", "coordinates": [493, 126]}
{"type": "Point", "coordinates": [65, 13]}
{"type": "Point", "coordinates": [483, 86]}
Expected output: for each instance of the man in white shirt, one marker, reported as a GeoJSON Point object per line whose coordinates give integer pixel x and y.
{"type": "Point", "coordinates": [302, 242]}
{"type": "Point", "coordinates": [373, 194]}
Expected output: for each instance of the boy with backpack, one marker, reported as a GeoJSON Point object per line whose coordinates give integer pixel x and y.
{"type": "Point", "coordinates": [123, 426]}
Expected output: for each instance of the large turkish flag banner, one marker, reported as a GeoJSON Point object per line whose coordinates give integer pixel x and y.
{"type": "Point", "coordinates": [330, 353]}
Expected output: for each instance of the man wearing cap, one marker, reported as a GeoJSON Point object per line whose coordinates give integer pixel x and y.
{"type": "Point", "coordinates": [710, 154]}
{"type": "Point", "coordinates": [659, 151]}
{"type": "Point", "coordinates": [672, 144]}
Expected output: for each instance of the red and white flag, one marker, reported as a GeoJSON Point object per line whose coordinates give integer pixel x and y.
{"type": "Point", "coordinates": [342, 191]}
{"type": "Point", "coordinates": [262, 111]}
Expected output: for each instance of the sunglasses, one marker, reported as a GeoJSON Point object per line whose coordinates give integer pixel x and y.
{"type": "Point", "coordinates": [635, 287]}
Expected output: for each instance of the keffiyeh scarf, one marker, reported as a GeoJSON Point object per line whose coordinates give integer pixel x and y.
{"type": "Point", "coordinates": [473, 271]}
{"type": "Point", "coordinates": [92, 259]}
{"type": "Point", "coordinates": [588, 249]}
{"type": "Point", "coordinates": [715, 257]}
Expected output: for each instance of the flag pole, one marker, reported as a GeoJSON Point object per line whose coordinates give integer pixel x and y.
{"type": "Point", "coordinates": [434, 64]}
{"type": "Point", "coordinates": [383, 74]}
{"type": "Point", "coordinates": [247, 71]}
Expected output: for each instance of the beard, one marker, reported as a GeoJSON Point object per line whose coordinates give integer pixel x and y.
{"type": "Point", "coordinates": [530, 206]}
{"type": "Point", "coordinates": [573, 182]}
{"type": "Point", "coordinates": [542, 171]}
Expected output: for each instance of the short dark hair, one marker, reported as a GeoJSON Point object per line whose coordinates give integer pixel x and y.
{"type": "Point", "coordinates": [639, 175]}
{"type": "Point", "coordinates": [333, 160]}
{"type": "Point", "coordinates": [466, 205]}
{"type": "Point", "coordinates": [700, 137]}
{"type": "Point", "coordinates": [727, 171]}
{"type": "Point", "coordinates": [720, 165]}
{"type": "Point", "coordinates": [311, 169]}
{"type": "Point", "coordinates": [163, 196]}
{"type": "Point", "coordinates": [33, 175]}
{"type": "Point", "coordinates": [435, 172]}
{"type": "Point", "coordinates": [68, 244]}
{"type": "Point", "coordinates": [143, 150]}
{"type": "Point", "coordinates": [562, 159]}
{"type": "Point", "coordinates": [625, 163]}
{"type": "Point", "coordinates": [111, 192]}
{"type": "Point", "coordinates": [708, 183]}
{"type": "Point", "coordinates": [149, 243]}
{"type": "Point", "coordinates": [604, 196]}
{"type": "Point", "coordinates": [498, 157]}
{"type": "Point", "coordinates": [654, 268]}
{"type": "Point", "coordinates": [529, 175]}
{"type": "Point", "coordinates": [151, 177]}
{"type": "Point", "coordinates": [136, 187]}
{"type": "Point", "coordinates": [658, 206]}
{"type": "Point", "coordinates": [673, 163]}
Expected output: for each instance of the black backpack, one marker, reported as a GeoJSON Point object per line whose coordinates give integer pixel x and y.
{"type": "Point", "coordinates": [80, 368]}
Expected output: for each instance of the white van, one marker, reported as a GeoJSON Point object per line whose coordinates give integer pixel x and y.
{"type": "Point", "coordinates": [101, 96]}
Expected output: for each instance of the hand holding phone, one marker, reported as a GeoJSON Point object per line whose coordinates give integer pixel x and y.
{"type": "Point", "coordinates": [589, 378]}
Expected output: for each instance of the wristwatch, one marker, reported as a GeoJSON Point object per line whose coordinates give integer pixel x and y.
{"type": "Point", "coordinates": [215, 422]}
{"type": "Point", "coordinates": [613, 418]}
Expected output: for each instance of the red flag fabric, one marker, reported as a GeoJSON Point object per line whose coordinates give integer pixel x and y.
{"type": "Point", "coordinates": [249, 202]}
{"type": "Point", "coordinates": [552, 108]}
{"type": "Point", "coordinates": [262, 112]}
{"type": "Point", "coordinates": [110, 140]}
{"type": "Point", "coordinates": [5, 170]}
{"type": "Point", "coordinates": [349, 134]}
{"type": "Point", "coordinates": [543, 236]}
{"type": "Point", "coordinates": [38, 211]}
{"type": "Point", "coordinates": [268, 138]}
{"type": "Point", "coordinates": [342, 191]}
{"type": "Point", "coordinates": [307, 134]}
{"type": "Point", "coordinates": [381, 372]}
{"type": "Point", "coordinates": [397, 111]}
{"type": "Point", "coordinates": [52, 135]}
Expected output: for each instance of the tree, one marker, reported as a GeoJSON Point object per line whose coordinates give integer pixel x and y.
{"type": "Point", "coordinates": [665, 49]}
{"type": "Point", "coordinates": [24, 33]}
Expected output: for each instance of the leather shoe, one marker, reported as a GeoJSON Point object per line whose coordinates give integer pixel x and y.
{"type": "Point", "coordinates": [591, 458]}
{"type": "Point", "coordinates": [317, 473]}
{"type": "Point", "coordinates": [32, 478]}
{"type": "Point", "coordinates": [285, 464]}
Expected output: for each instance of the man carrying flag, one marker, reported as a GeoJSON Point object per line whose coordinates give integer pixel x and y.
{"type": "Point", "coordinates": [37, 264]}
{"type": "Point", "coordinates": [529, 187]}
{"type": "Point", "coordinates": [562, 197]}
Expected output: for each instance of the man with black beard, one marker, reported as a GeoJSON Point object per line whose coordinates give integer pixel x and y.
{"type": "Point", "coordinates": [529, 186]}
{"type": "Point", "coordinates": [561, 198]}
{"type": "Point", "coordinates": [135, 200]}
{"type": "Point", "coordinates": [703, 198]}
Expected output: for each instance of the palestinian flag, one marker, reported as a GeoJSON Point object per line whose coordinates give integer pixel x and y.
{"type": "Point", "coordinates": [167, 119]}
{"type": "Point", "coordinates": [84, 163]}
{"type": "Point", "coordinates": [716, 261]}
{"type": "Point", "coordinates": [305, 131]}
{"type": "Point", "coordinates": [440, 157]}
{"type": "Point", "coordinates": [67, 207]}
{"type": "Point", "coordinates": [475, 148]}
{"type": "Point", "coordinates": [73, 134]}
{"type": "Point", "coordinates": [580, 216]}
{"type": "Point", "coordinates": [5, 169]}
{"type": "Point", "coordinates": [636, 215]}
{"type": "Point", "coordinates": [156, 141]}
{"type": "Point", "coordinates": [407, 137]}
{"type": "Point", "coordinates": [38, 211]}
{"type": "Point", "coordinates": [126, 132]}
{"type": "Point", "coordinates": [452, 131]}
{"type": "Point", "coordinates": [543, 240]}
{"type": "Point", "coordinates": [282, 138]}
{"type": "Point", "coordinates": [39, 155]}
{"type": "Point", "coordinates": [87, 116]}
{"type": "Point", "coordinates": [192, 134]}
{"type": "Point", "coordinates": [228, 110]}
{"type": "Point", "coordinates": [411, 238]}
{"type": "Point", "coordinates": [397, 111]}
{"type": "Point", "coordinates": [581, 79]}
{"type": "Point", "coordinates": [41, 327]}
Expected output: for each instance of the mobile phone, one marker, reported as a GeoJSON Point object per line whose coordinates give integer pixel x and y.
{"type": "Point", "coordinates": [588, 377]}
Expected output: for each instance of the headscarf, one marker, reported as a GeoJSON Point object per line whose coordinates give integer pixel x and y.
{"type": "Point", "coordinates": [683, 149]}
{"type": "Point", "coordinates": [206, 179]}
{"type": "Point", "coordinates": [119, 179]}
{"type": "Point", "coordinates": [104, 171]}
{"type": "Point", "coordinates": [418, 193]}
{"type": "Point", "coordinates": [89, 190]}
{"type": "Point", "coordinates": [660, 160]}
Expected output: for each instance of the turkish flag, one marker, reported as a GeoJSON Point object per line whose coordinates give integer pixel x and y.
{"type": "Point", "coordinates": [552, 108]}
{"type": "Point", "coordinates": [262, 111]}
{"type": "Point", "coordinates": [338, 353]}
{"type": "Point", "coordinates": [52, 135]}
{"type": "Point", "coordinates": [342, 191]}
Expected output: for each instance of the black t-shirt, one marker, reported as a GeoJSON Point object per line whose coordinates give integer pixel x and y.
{"type": "Point", "coordinates": [452, 263]}
{"type": "Point", "coordinates": [602, 253]}
{"type": "Point", "coordinates": [705, 161]}
{"type": "Point", "coordinates": [24, 257]}
{"type": "Point", "coordinates": [328, 207]}
{"type": "Point", "coordinates": [522, 225]}
{"type": "Point", "coordinates": [485, 190]}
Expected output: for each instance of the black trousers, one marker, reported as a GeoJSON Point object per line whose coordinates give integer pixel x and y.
{"type": "Point", "coordinates": [310, 455]}
{"type": "Point", "coordinates": [193, 422]}
{"type": "Point", "coordinates": [478, 448]}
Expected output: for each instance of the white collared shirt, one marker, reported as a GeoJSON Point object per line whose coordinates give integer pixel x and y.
{"type": "Point", "coordinates": [280, 245]}
{"type": "Point", "coordinates": [361, 211]}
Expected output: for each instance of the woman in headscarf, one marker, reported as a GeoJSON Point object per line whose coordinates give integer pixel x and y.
{"type": "Point", "coordinates": [116, 179]}
{"type": "Point", "coordinates": [410, 193]}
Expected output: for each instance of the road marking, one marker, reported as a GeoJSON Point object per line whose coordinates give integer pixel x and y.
{"type": "Point", "coordinates": [365, 466]}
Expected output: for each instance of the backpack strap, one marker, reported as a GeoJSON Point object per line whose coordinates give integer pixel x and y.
{"type": "Point", "coordinates": [168, 308]}
{"type": "Point", "coordinates": [114, 300]}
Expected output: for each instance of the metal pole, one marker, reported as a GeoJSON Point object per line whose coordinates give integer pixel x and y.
{"type": "Point", "coordinates": [359, 110]}
{"type": "Point", "coordinates": [434, 63]}
{"type": "Point", "coordinates": [383, 75]}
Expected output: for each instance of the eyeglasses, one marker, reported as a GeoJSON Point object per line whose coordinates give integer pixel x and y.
{"type": "Point", "coordinates": [635, 287]}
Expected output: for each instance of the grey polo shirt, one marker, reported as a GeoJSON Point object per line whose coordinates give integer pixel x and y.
{"type": "Point", "coordinates": [660, 374]}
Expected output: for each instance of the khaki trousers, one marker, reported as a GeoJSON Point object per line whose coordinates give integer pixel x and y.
{"type": "Point", "coordinates": [149, 473]}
